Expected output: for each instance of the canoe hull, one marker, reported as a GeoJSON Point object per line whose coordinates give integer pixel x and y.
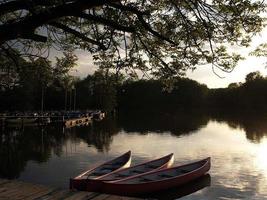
{"type": "Point", "coordinates": [80, 183]}
{"type": "Point", "coordinates": [95, 185]}
{"type": "Point", "coordinates": [142, 188]}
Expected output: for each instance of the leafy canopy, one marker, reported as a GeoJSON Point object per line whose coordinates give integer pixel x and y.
{"type": "Point", "coordinates": [162, 37]}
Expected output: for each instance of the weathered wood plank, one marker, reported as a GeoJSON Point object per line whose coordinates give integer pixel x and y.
{"type": "Point", "coordinates": [56, 194]}
{"type": "Point", "coordinates": [113, 197]}
{"type": "Point", "coordinates": [18, 190]}
{"type": "Point", "coordinates": [78, 195]}
{"type": "Point", "coordinates": [3, 181]}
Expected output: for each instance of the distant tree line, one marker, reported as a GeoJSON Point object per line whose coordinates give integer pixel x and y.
{"type": "Point", "coordinates": [250, 95]}
{"type": "Point", "coordinates": [39, 86]}
{"type": "Point", "coordinates": [107, 91]}
{"type": "Point", "coordinates": [152, 94]}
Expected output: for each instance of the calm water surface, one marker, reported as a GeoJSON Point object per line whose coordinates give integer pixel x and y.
{"type": "Point", "coordinates": [237, 146]}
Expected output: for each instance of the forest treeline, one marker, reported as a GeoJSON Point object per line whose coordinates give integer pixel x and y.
{"type": "Point", "coordinates": [41, 86]}
{"type": "Point", "coordinates": [188, 94]}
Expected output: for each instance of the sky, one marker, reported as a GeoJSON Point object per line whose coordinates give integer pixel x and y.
{"type": "Point", "coordinates": [203, 74]}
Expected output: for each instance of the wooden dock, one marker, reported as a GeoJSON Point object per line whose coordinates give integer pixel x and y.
{"type": "Point", "coordinates": [77, 121]}
{"type": "Point", "coordinates": [18, 190]}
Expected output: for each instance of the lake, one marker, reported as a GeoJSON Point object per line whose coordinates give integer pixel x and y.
{"type": "Point", "coordinates": [237, 145]}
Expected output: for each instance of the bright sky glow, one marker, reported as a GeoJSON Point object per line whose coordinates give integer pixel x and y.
{"type": "Point", "coordinates": [203, 74]}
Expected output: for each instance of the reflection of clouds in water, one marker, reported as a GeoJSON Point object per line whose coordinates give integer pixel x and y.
{"type": "Point", "coordinates": [237, 164]}
{"type": "Point", "coordinates": [261, 157]}
{"type": "Point", "coordinates": [235, 185]}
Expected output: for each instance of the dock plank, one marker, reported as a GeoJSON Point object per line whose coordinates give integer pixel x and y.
{"type": "Point", "coordinates": [18, 190]}
{"type": "Point", "coordinates": [3, 181]}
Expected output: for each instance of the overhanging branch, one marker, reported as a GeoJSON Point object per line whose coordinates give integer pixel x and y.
{"type": "Point", "coordinates": [77, 34]}
{"type": "Point", "coordinates": [107, 22]}
{"type": "Point", "coordinates": [27, 25]}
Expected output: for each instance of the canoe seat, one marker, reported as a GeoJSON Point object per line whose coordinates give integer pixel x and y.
{"type": "Point", "coordinates": [165, 176]}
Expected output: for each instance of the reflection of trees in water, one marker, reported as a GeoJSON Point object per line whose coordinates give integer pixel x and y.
{"type": "Point", "coordinates": [178, 123]}
{"type": "Point", "coordinates": [184, 190]}
{"type": "Point", "coordinates": [18, 146]}
{"type": "Point", "coordinates": [99, 134]}
{"type": "Point", "coordinates": [254, 124]}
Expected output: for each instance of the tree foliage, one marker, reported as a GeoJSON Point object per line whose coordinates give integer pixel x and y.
{"type": "Point", "coordinates": [252, 76]}
{"type": "Point", "coordinates": [27, 85]}
{"type": "Point", "coordinates": [250, 95]}
{"type": "Point", "coordinates": [162, 37]}
{"type": "Point", "coordinates": [99, 91]}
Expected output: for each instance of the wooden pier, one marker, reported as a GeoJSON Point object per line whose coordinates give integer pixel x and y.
{"type": "Point", "coordinates": [18, 190]}
{"type": "Point", "coordinates": [77, 121]}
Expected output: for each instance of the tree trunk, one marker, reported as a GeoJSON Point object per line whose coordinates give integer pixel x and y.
{"type": "Point", "coordinates": [66, 99]}
{"type": "Point", "coordinates": [70, 99]}
{"type": "Point", "coordinates": [42, 101]}
{"type": "Point", "coordinates": [74, 100]}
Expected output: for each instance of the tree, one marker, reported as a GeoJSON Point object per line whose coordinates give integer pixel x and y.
{"type": "Point", "coordinates": [9, 72]}
{"type": "Point", "coordinates": [162, 37]}
{"type": "Point", "coordinates": [44, 75]}
{"type": "Point", "coordinates": [234, 85]}
{"type": "Point", "coordinates": [99, 90]}
{"type": "Point", "coordinates": [252, 76]}
{"type": "Point", "coordinates": [61, 73]}
{"type": "Point", "coordinates": [105, 89]}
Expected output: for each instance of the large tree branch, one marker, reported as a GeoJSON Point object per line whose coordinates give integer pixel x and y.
{"type": "Point", "coordinates": [140, 15]}
{"type": "Point", "coordinates": [128, 8]}
{"type": "Point", "coordinates": [27, 25]}
{"type": "Point", "coordinates": [155, 33]}
{"type": "Point", "coordinates": [16, 5]}
{"type": "Point", "coordinates": [107, 22]}
{"type": "Point", "coordinates": [77, 34]}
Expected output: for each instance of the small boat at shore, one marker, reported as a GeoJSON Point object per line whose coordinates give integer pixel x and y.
{"type": "Point", "coordinates": [153, 165]}
{"type": "Point", "coordinates": [160, 163]}
{"type": "Point", "coordinates": [157, 180]}
{"type": "Point", "coordinates": [123, 161]}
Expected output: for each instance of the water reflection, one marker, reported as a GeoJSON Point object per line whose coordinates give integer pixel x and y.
{"type": "Point", "coordinates": [254, 124]}
{"type": "Point", "coordinates": [237, 145]}
{"type": "Point", "coordinates": [178, 192]}
{"type": "Point", "coordinates": [18, 145]}
{"type": "Point", "coordinates": [100, 134]}
{"type": "Point", "coordinates": [175, 123]}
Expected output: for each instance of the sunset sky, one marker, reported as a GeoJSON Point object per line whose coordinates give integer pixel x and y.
{"type": "Point", "coordinates": [203, 74]}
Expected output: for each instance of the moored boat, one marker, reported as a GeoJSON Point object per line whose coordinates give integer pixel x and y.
{"type": "Point", "coordinates": [153, 165]}
{"type": "Point", "coordinates": [123, 161]}
{"type": "Point", "coordinates": [160, 163]}
{"type": "Point", "coordinates": [157, 180]}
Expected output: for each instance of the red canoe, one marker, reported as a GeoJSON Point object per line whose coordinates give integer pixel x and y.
{"type": "Point", "coordinates": [160, 163]}
{"type": "Point", "coordinates": [157, 180]}
{"type": "Point", "coordinates": [123, 161]}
